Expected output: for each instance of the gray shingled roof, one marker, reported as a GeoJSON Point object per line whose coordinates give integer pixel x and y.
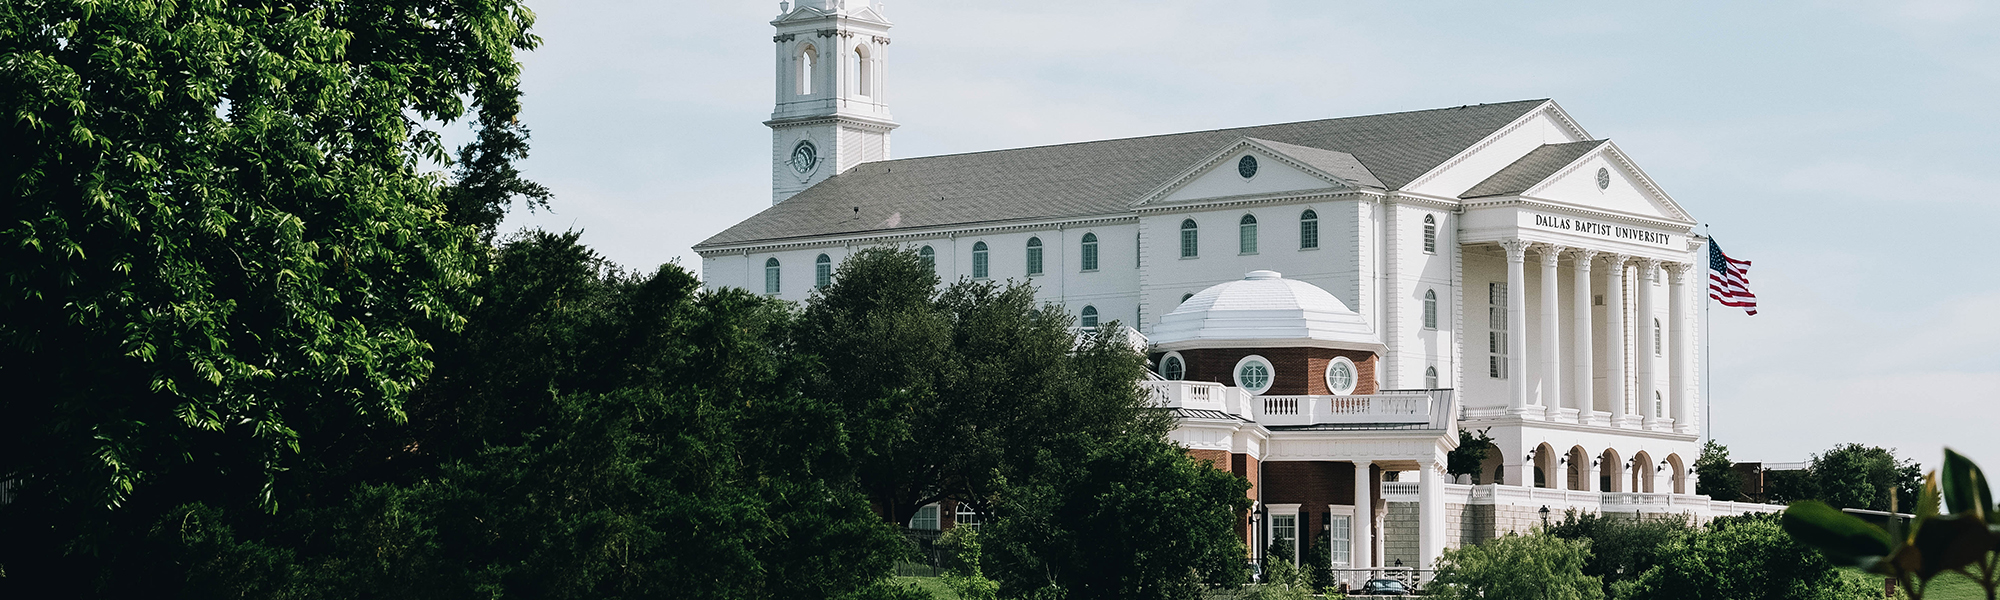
{"type": "Point", "coordinates": [1095, 178]}
{"type": "Point", "coordinates": [1537, 166]}
{"type": "Point", "coordinates": [1334, 162]}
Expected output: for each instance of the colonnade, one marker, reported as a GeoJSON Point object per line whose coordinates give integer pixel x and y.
{"type": "Point", "coordinates": [1636, 389]}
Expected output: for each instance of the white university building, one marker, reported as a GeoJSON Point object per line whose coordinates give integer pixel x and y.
{"type": "Point", "coordinates": [1327, 304]}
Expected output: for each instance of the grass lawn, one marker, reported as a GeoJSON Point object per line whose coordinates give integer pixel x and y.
{"type": "Point", "coordinates": [938, 590]}
{"type": "Point", "coordinates": [1949, 586]}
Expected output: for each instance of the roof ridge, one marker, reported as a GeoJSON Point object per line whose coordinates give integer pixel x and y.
{"type": "Point", "coordinates": [1216, 130]}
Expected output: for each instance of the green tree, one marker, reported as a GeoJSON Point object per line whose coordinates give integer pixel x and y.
{"type": "Point", "coordinates": [1746, 558]}
{"type": "Point", "coordinates": [1717, 476]}
{"type": "Point", "coordinates": [1524, 567]}
{"type": "Point", "coordinates": [1622, 547]}
{"type": "Point", "coordinates": [1470, 454]}
{"type": "Point", "coordinates": [1851, 476]}
{"type": "Point", "coordinates": [222, 247]}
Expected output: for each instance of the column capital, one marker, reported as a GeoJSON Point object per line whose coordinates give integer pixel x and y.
{"type": "Point", "coordinates": [1517, 249]}
{"type": "Point", "coordinates": [1583, 256]}
{"type": "Point", "coordinates": [1614, 260]}
{"type": "Point", "coordinates": [1550, 254]}
{"type": "Point", "coordinates": [1675, 271]}
{"type": "Point", "coordinates": [1646, 262]}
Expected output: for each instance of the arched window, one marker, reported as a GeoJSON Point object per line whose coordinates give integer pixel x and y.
{"type": "Point", "coordinates": [1656, 337]}
{"type": "Point", "coordinates": [1659, 405]}
{"type": "Point", "coordinates": [822, 271]}
{"type": "Point", "coordinates": [864, 72]}
{"type": "Point", "coordinates": [1190, 247]}
{"type": "Point", "coordinates": [1089, 317]}
{"type": "Point", "coordinates": [1090, 252]}
{"type": "Point", "coordinates": [1184, 297]}
{"type": "Point", "coordinates": [1430, 234]}
{"type": "Point", "coordinates": [1430, 309]}
{"type": "Point", "coordinates": [1034, 256]}
{"type": "Point", "coordinates": [1247, 234]}
{"type": "Point", "coordinates": [1308, 230]}
{"type": "Point", "coordinates": [929, 257]}
{"type": "Point", "coordinates": [979, 260]}
{"type": "Point", "coordinates": [808, 57]}
{"type": "Point", "coordinates": [1171, 367]}
{"type": "Point", "coordinates": [1431, 378]}
{"type": "Point", "coordinates": [771, 276]}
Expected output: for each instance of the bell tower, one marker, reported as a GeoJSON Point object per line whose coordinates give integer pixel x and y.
{"type": "Point", "coordinates": [832, 112]}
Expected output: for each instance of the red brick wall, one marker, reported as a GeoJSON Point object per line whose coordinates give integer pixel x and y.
{"type": "Point", "coordinates": [1299, 370]}
{"type": "Point", "coordinates": [1313, 486]}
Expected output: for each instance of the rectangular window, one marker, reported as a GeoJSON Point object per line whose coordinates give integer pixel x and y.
{"type": "Point", "coordinates": [1188, 243]}
{"type": "Point", "coordinates": [1285, 528]}
{"type": "Point", "coordinates": [1341, 538]}
{"type": "Point", "coordinates": [1496, 337]}
{"type": "Point", "coordinates": [967, 517]}
{"type": "Point", "coordinates": [1309, 234]}
{"type": "Point", "coordinates": [1090, 256]}
{"type": "Point", "coordinates": [1247, 238]}
{"type": "Point", "coordinates": [925, 519]}
{"type": "Point", "coordinates": [1035, 260]}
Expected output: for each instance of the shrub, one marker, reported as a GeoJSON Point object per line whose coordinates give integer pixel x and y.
{"type": "Point", "coordinates": [1517, 567]}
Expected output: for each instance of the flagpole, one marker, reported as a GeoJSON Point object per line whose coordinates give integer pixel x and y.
{"type": "Point", "coordinates": [1708, 371]}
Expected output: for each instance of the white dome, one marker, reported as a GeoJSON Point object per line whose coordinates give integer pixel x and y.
{"type": "Point", "coordinates": [1263, 310]}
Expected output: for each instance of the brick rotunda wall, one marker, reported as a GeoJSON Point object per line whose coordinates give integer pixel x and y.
{"type": "Point", "coordinates": [1300, 371]}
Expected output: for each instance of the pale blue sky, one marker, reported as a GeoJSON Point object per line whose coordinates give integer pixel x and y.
{"type": "Point", "coordinates": [1849, 149]}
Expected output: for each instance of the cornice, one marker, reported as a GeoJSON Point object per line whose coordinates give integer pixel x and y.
{"type": "Point", "coordinates": [1506, 421]}
{"type": "Point", "coordinates": [852, 239]}
{"type": "Point", "coordinates": [864, 123]}
{"type": "Point", "coordinates": [1423, 200]}
{"type": "Point", "coordinates": [1255, 199]}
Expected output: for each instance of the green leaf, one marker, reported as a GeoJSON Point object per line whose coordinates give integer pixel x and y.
{"type": "Point", "coordinates": [1950, 542]}
{"type": "Point", "coordinates": [1843, 538]}
{"type": "Point", "coordinates": [1965, 489]}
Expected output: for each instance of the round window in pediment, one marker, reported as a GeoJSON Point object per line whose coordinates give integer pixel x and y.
{"type": "Point", "coordinates": [1340, 376]}
{"type": "Point", "coordinates": [1246, 166]}
{"type": "Point", "coordinates": [1603, 178]}
{"type": "Point", "coordinates": [1254, 374]}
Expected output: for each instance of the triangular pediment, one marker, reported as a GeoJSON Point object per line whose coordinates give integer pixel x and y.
{"type": "Point", "coordinates": [1274, 168]}
{"type": "Point", "coordinates": [1590, 174]}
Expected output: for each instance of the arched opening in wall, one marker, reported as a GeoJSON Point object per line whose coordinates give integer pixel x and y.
{"type": "Point", "coordinates": [1642, 472]}
{"type": "Point", "coordinates": [1430, 234]}
{"type": "Point", "coordinates": [1545, 465]}
{"type": "Point", "coordinates": [808, 58]}
{"type": "Point", "coordinates": [864, 72]}
{"type": "Point", "coordinates": [822, 271]}
{"type": "Point", "coordinates": [1611, 472]}
{"type": "Point", "coordinates": [771, 273]}
{"type": "Point", "coordinates": [1578, 469]}
{"type": "Point", "coordinates": [1034, 256]}
{"type": "Point", "coordinates": [929, 257]}
{"type": "Point", "coordinates": [1184, 297]}
{"type": "Point", "coordinates": [1679, 474]}
{"type": "Point", "coordinates": [1430, 378]}
{"type": "Point", "coordinates": [1247, 235]}
{"type": "Point", "coordinates": [1493, 469]}
{"type": "Point", "coordinates": [1089, 320]}
{"type": "Point", "coordinates": [1430, 309]}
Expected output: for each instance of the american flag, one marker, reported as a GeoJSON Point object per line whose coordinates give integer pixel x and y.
{"type": "Point", "coordinates": [1729, 280]}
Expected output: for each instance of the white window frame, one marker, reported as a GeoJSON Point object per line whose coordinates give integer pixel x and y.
{"type": "Point", "coordinates": [928, 514]}
{"type": "Point", "coordinates": [1271, 514]}
{"type": "Point", "coordinates": [1342, 548]}
{"type": "Point", "coordinates": [1034, 256]}
{"type": "Point", "coordinates": [1270, 372]}
{"type": "Point", "coordinates": [982, 261]}
{"type": "Point", "coordinates": [1087, 318]}
{"type": "Point", "coordinates": [1431, 309]}
{"type": "Point", "coordinates": [1246, 235]}
{"type": "Point", "coordinates": [1190, 239]}
{"type": "Point", "coordinates": [1309, 230]}
{"type": "Point", "coordinates": [1177, 357]}
{"type": "Point", "coordinates": [1430, 234]}
{"type": "Point", "coordinates": [1353, 376]}
{"type": "Point", "coordinates": [1088, 252]}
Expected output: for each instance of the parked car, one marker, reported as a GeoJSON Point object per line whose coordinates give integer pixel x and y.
{"type": "Point", "coordinates": [1384, 587]}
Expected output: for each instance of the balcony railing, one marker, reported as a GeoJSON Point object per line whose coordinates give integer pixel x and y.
{"type": "Point", "coordinates": [1397, 407]}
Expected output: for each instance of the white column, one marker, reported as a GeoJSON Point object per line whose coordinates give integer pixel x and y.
{"type": "Point", "coordinates": [1517, 327]}
{"type": "Point", "coordinates": [1677, 348]}
{"type": "Point", "coordinates": [1589, 483]}
{"type": "Point", "coordinates": [1582, 382]}
{"type": "Point", "coordinates": [1430, 515]}
{"type": "Point", "coordinates": [1364, 516]}
{"type": "Point", "coordinates": [1645, 360]}
{"type": "Point", "coordinates": [1551, 375]}
{"type": "Point", "coordinates": [1614, 336]}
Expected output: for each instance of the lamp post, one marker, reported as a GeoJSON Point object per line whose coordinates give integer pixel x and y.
{"type": "Point", "coordinates": [1545, 516]}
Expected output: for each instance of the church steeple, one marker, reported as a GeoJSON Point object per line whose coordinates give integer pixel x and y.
{"type": "Point", "coordinates": [832, 112]}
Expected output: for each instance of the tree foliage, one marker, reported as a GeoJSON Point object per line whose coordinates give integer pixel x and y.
{"type": "Point", "coordinates": [1716, 476]}
{"type": "Point", "coordinates": [1622, 547]}
{"type": "Point", "coordinates": [1517, 567]}
{"type": "Point", "coordinates": [1473, 447]}
{"type": "Point", "coordinates": [1745, 558]}
{"type": "Point", "coordinates": [1852, 476]}
{"type": "Point", "coordinates": [221, 243]}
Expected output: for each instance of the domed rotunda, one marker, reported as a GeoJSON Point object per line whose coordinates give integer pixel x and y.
{"type": "Point", "coordinates": [1268, 335]}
